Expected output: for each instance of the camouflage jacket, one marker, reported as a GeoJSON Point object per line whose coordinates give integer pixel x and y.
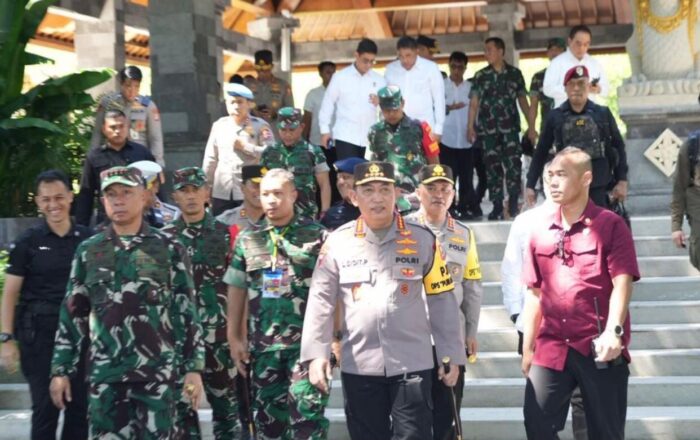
{"type": "Point", "coordinates": [207, 244]}
{"type": "Point", "coordinates": [130, 296]}
{"type": "Point", "coordinates": [305, 161]}
{"type": "Point", "coordinates": [497, 94]}
{"type": "Point", "coordinates": [402, 146]}
{"type": "Point", "coordinates": [537, 91]}
{"type": "Point", "coordinates": [275, 321]}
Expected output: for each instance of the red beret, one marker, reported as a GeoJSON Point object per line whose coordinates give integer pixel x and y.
{"type": "Point", "coordinates": [576, 72]}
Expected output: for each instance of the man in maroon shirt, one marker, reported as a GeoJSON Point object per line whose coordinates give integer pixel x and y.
{"type": "Point", "coordinates": [581, 264]}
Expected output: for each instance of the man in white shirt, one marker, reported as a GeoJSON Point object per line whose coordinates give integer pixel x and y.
{"type": "Point", "coordinates": [421, 84]}
{"type": "Point", "coordinates": [455, 150]}
{"type": "Point", "coordinates": [312, 131]}
{"type": "Point", "coordinates": [235, 140]}
{"type": "Point", "coordinates": [352, 96]}
{"type": "Point", "coordinates": [577, 54]}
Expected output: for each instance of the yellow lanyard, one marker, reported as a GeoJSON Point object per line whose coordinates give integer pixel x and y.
{"type": "Point", "coordinates": [275, 236]}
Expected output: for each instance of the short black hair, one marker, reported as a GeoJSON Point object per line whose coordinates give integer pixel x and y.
{"type": "Point", "coordinates": [406, 42]}
{"type": "Point", "coordinates": [130, 72]}
{"type": "Point", "coordinates": [49, 176]}
{"type": "Point", "coordinates": [235, 79]}
{"type": "Point", "coordinates": [323, 64]}
{"type": "Point", "coordinates": [498, 42]}
{"type": "Point", "coordinates": [579, 28]}
{"type": "Point", "coordinates": [114, 113]}
{"type": "Point", "coordinates": [367, 46]}
{"type": "Point", "coordinates": [459, 57]}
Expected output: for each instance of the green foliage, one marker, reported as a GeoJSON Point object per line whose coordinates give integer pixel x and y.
{"type": "Point", "coordinates": [3, 265]}
{"type": "Point", "coordinates": [41, 128]}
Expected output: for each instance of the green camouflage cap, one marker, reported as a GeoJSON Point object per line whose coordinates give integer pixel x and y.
{"type": "Point", "coordinates": [389, 97]}
{"type": "Point", "coordinates": [189, 176]}
{"type": "Point", "coordinates": [288, 117]}
{"type": "Point", "coordinates": [431, 173]}
{"type": "Point", "coordinates": [122, 175]}
{"type": "Point", "coordinates": [556, 42]}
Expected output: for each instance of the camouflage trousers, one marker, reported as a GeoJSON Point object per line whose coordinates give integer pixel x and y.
{"type": "Point", "coordinates": [219, 378]}
{"type": "Point", "coordinates": [134, 410]}
{"type": "Point", "coordinates": [288, 406]}
{"type": "Point", "coordinates": [502, 152]}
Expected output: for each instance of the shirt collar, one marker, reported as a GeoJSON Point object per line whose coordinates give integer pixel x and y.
{"type": "Point", "coordinates": [46, 230]}
{"type": "Point", "coordinates": [586, 218]}
{"type": "Point", "coordinates": [145, 231]}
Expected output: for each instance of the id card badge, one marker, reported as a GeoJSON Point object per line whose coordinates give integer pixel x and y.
{"type": "Point", "coordinates": [272, 283]}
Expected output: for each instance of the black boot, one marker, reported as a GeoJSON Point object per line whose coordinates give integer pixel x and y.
{"type": "Point", "coordinates": [513, 206]}
{"type": "Point", "coordinates": [497, 213]}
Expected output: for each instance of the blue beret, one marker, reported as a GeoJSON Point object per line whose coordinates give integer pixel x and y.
{"type": "Point", "coordinates": [348, 165]}
{"type": "Point", "coordinates": [233, 89]}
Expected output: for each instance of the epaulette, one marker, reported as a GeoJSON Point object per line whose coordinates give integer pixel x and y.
{"type": "Point", "coordinates": [417, 223]}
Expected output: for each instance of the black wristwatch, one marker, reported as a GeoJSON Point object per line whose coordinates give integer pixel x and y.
{"type": "Point", "coordinates": [4, 337]}
{"type": "Point", "coordinates": [338, 336]}
{"type": "Point", "coordinates": [619, 331]}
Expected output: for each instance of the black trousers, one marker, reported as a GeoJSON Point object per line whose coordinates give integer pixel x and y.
{"type": "Point", "coordinates": [343, 150]}
{"type": "Point", "coordinates": [383, 408]}
{"type": "Point", "coordinates": [548, 393]}
{"type": "Point", "coordinates": [480, 168]}
{"type": "Point", "coordinates": [331, 158]}
{"type": "Point", "coordinates": [461, 160]}
{"type": "Point", "coordinates": [220, 205]}
{"type": "Point", "coordinates": [442, 406]}
{"type": "Point", "coordinates": [599, 195]}
{"type": "Point", "coordinates": [36, 350]}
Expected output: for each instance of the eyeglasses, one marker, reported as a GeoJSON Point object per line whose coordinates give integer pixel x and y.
{"type": "Point", "coordinates": [121, 171]}
{"type": "Point", "coordinates": [181, 174]}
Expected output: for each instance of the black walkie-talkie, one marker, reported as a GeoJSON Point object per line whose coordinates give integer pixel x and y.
{"type": "Point", "coordinates": [598, 365]}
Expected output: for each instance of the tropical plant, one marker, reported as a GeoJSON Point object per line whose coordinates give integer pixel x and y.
{"type": "Point", "coordinates": [40, 128]}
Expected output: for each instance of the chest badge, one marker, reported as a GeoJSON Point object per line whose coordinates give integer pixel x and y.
{"type": "Point", "coordinates": [404, 289]}
{"type": "Point", "coordinates": [407, 251]}
{"type": "Point", "coordinates": [407, 271]}
{"type": "Point", "coordinates": [406, 241]}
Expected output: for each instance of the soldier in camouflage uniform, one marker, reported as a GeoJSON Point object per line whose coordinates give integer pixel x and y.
{"type": "Point", "coordinates": [272, 266]}
{"type": "Point", "coordinates": [207, 243]}
{"type": "Point", "coordinates": [141, 112]}
{"type": "Point", "coordinates": [497, 89]}
{"type": "Point", "coordinates": [555, 46]}
{"type": "Point", "coordinates": [271, 93]}
{"type": "Point", "coordinates": [306, 161]}
{"type": "Point", "coordinates": [129, 295]}
{"type": "Point", "coordinates": [407, 143]}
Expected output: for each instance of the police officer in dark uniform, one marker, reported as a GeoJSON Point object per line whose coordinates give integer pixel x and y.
{"type": "Point", "coordinates": [35, 284]}
{"type": "Point", "coordinates": [116, 151]}
{"type": "Point", "coordinates": [343, 211]}
{"type": "Point", "coordinates": [579, 122]}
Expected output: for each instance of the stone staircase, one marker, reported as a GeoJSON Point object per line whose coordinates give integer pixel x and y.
{"type": "Point", "coordinates": [664, 389]}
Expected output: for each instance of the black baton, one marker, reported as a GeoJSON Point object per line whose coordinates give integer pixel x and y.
{"type": "Point", "coordinates": [455, 410]}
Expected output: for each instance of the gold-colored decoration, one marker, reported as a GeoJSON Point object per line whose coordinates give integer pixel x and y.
{"type": "Point", "coordinates": [686, 11]}
{"type": "Point", "coordinates": [438, 171]}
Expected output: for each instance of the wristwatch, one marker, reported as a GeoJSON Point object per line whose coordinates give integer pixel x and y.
{"type": "Point", "coordinates": [338, 336]}
{"type": "Point", "coordinates": [4, 337]}
{"type": "Point", "coordinates": [619, 331]}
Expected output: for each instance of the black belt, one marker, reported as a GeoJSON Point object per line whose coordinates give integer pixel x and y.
{"type": "Point", "coordinates": [42, 308]}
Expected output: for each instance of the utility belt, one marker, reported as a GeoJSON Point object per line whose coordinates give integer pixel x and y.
{"type": "Point", "coordinates": [31, 316]}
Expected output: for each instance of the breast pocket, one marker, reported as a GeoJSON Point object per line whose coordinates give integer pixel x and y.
{"type": "Point", "coordinates": [154, 284]}
{"type": "Point", "coordinates": [99, 286]}
{"type": "Point", "coordinates": [353, 279]}
{"type": "Point", "coordinates": [408, 280]}
{"type": "Point", "coordinates": [545, 256]}
{"type": "Point", "coordinates": [585, 255]}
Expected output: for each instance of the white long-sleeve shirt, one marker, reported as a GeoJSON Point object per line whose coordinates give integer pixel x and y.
{"type": "Point", "coordinates": [454, 131]}
{"type": "Point", "coordinates": [348, 95]}
{"type": "Point", "coordinates": [518, 242]}
{"type": "Point", "coordinates": [423, 90]}
{"type": "Point", "coordinates": [554, 76]}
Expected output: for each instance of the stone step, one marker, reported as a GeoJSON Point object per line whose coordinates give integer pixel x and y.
{"type": "Point", "coordinates": [683, 288]}
{"type": "Point", "coordinates": [660, 246]}
{"type": "Point", "coordinates": [644, 337]}
{"type": "Point", "coordinates": [642, 312]}
{"type": "Point", "coordinates": [495, 232]}
{"type": "Point", "coordinates": [505, 392]}
{"type": "Point", "coordinates": [645, 363]}
{"type": "Point", "coordinates": [670, 266]}
{"type": "Point", "coordinates": [643, 423]}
